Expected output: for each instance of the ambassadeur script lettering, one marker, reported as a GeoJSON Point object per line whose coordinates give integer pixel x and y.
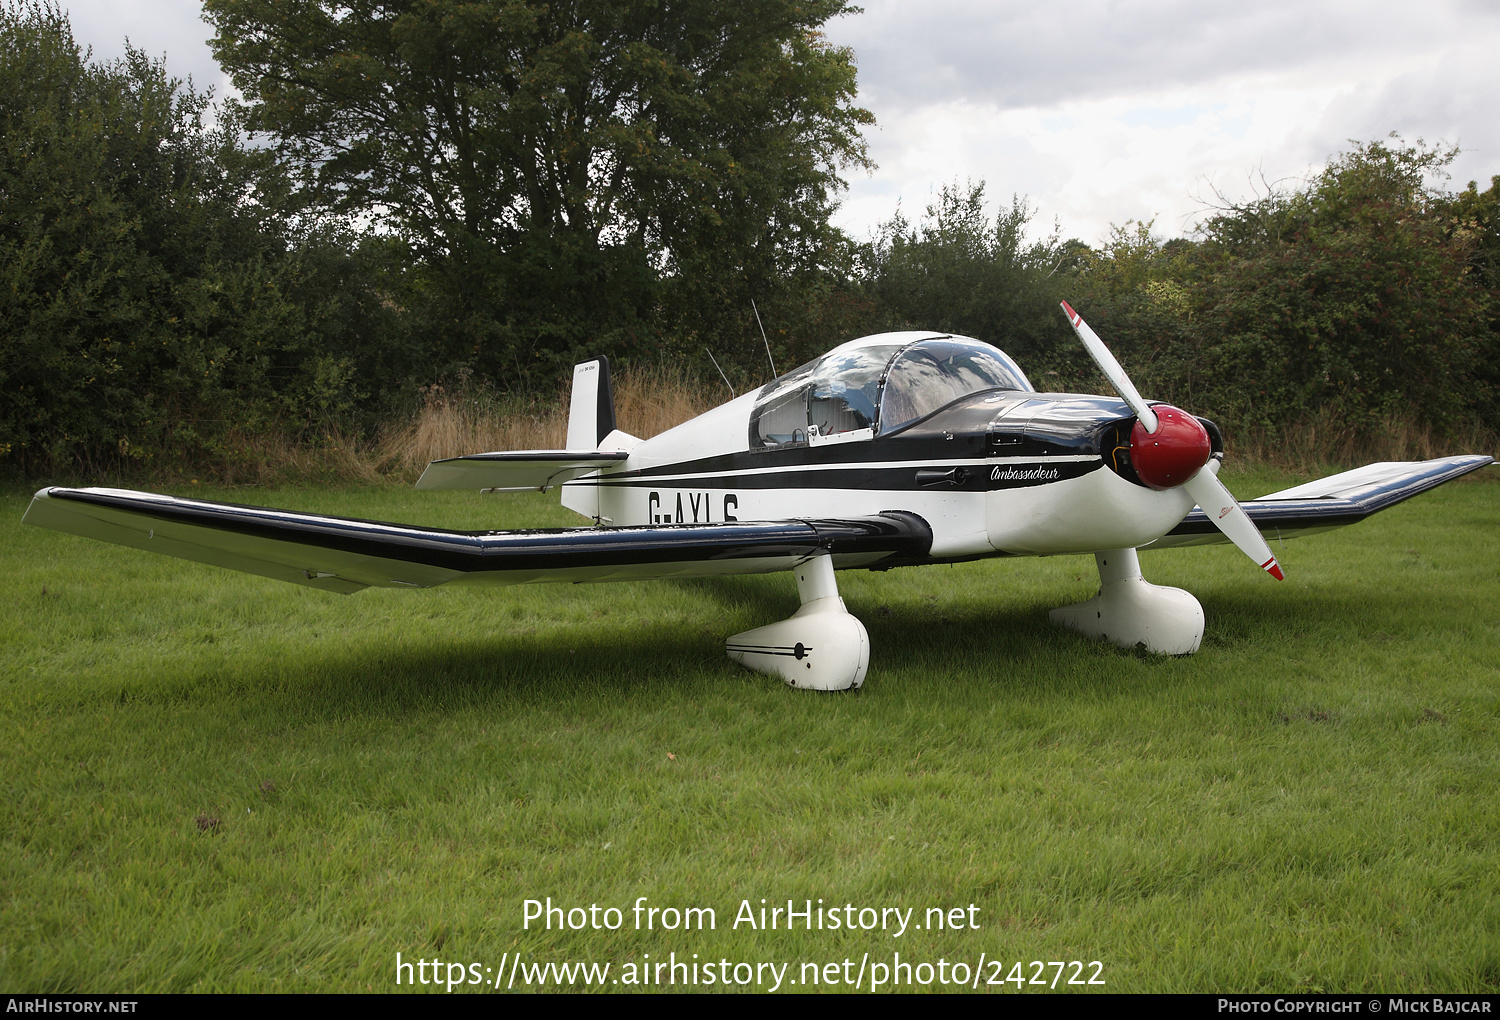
{"type": "Point", "coordinates": [1010, 474]}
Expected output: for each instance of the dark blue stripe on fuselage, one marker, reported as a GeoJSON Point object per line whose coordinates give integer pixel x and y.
{"type": "Point", "coordinates": [980, 477]}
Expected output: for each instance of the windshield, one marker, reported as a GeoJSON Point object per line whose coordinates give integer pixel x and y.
{"type": "Point", "coordinates": [933, 373]}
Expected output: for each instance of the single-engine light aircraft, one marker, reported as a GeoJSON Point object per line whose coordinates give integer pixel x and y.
{"type": "Point", "coordinates": [890, 450]}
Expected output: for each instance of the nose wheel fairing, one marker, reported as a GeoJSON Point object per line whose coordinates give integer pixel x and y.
{"type": "Point", "coordinates": [1131, 612]}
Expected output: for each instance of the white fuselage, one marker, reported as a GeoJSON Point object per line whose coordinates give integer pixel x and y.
{"type": "Point", "coordinates": [1036, 503]}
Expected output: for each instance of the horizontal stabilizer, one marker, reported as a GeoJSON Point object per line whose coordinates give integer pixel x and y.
{"type": "Point", "coordinates": [1333, 502]}
{"type": "Point", "coordinates": [345, 554]}
{"type": "Point", "coordinates": [516, 471]}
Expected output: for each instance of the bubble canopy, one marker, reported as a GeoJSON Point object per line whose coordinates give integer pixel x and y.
{"type": "Point", "coordinates": [876, 386]}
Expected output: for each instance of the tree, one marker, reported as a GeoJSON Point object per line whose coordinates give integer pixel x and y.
{"type": "Point", "coordinates": [153, 292]}
{"type": "Point", "coordinates": [960, 269]}
{"type": "Point", "coordinates": [559, 167]}
{"type": "Point", "coordinates": [1364, 296]}
{"type": "Point", "coordinates": [1354, 296]}
{"type": "Point", "coordinates": [1474, 222]}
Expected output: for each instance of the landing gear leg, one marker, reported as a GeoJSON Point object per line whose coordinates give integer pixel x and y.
{"type": "Point", "coordinates": [1132, 613]}
{"type": "Point", "coordinates": [820, 647]}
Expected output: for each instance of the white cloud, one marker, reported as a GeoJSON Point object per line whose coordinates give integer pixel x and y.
{"type": "Point", "coordinates": [171, 28]}
{"type": "Point", "coordinates": [1016, 53]}
{"type": "Point", "coordinates": [1104, 112]}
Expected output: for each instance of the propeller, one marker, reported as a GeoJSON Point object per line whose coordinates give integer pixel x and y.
{"type": "Point", "coordinates": [1169, 447]}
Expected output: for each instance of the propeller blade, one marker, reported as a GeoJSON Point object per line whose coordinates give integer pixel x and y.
{"type": "Point", "coordinates": [1204, 486]}
{"type": "Point", "coordinates": [1225, 511]}
{"type": "Point", "coordinates": [1111, 369]}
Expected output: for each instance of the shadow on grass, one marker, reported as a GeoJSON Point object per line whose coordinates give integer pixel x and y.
{"type": "Point", "coordinates": [1013, 651]}
{"type": "Point", "coordinates": [998, 639]}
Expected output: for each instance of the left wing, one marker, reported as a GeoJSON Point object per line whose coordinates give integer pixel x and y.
{"type": "Point", "coordinates": [1333, 502]}
{"type": "Point", "coordinates": [345, 554]}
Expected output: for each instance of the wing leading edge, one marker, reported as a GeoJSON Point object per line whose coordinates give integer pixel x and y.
{"type": "Point", "coordinates": [347, 554]}
{"type": "Point", "coordinates": [1333, 502]}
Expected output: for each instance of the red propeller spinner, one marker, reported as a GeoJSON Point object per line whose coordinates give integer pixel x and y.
{"type": "Point", "coordinates": [1173, 453]}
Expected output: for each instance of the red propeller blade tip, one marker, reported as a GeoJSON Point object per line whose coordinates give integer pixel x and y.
{"type": "Point", "coordinates": [1273, 568]}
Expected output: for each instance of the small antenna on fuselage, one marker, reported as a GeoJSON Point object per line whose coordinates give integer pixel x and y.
{"type": "Point", "coordinates": [721, 371]}
{"type": "Point", "coordinates": [763, 336]}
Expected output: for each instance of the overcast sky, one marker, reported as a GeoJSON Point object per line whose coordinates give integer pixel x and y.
{"type": "Point", "coordinates": [1100, 111]}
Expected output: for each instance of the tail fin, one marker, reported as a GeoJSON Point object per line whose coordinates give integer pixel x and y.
{"type": "Point", "coordinates": [591, 415]}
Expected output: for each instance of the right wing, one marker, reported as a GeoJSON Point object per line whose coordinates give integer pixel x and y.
{"type": "Point", "coordinates": [1333, 502]}
{"type": "Point", "coordinates": [345, 555]}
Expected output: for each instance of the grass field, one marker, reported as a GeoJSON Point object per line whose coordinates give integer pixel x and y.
{"type": "Point", "coordinates": [215, 782]}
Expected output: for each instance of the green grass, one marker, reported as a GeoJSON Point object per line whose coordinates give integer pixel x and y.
{"type": "Point", "coordinates": [1307, 803]}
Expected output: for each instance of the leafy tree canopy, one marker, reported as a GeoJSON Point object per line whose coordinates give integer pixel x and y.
{"type": "Point", "coordinates": [1354, 293]}
{"type": "Point", "coordinates": [959, 268]}
{"type": "Point", "coordinates": [153, 292]}
{"type": "Point", "coordinates": [1357, 297]}
{"type": "Point", "coordinates": [555, 163]}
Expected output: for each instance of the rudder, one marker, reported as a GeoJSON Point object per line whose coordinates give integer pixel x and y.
{"type": "Point", "coordinates": [591, 413]}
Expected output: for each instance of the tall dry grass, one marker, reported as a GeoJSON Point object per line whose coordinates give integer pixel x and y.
{"type": "Point", "coordinates": [262, 459]}
{"type": "Point", "coordinates": [452, 423]}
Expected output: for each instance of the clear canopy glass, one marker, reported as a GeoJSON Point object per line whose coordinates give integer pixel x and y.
{"type": "Point", "coordinates": [931, 374]}
{"type": "Point", "coordinates": [846, 389]}
{"type": "Point", "coordinates": [884, 386]}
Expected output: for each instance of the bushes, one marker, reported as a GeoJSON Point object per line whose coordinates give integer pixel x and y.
{"type": "Point", "coordinates": [1354, 297]}
{"type": "Point", "coordinates": [168, 301]}
{"type": "Point", "coordinates": [154, 291]}
{"type": "Point", "coordinates": [1362, 302]}
{"type": "Point", "coordinates": [119, 272]}
{"type": "Point", "coordinates": [959, 270]}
